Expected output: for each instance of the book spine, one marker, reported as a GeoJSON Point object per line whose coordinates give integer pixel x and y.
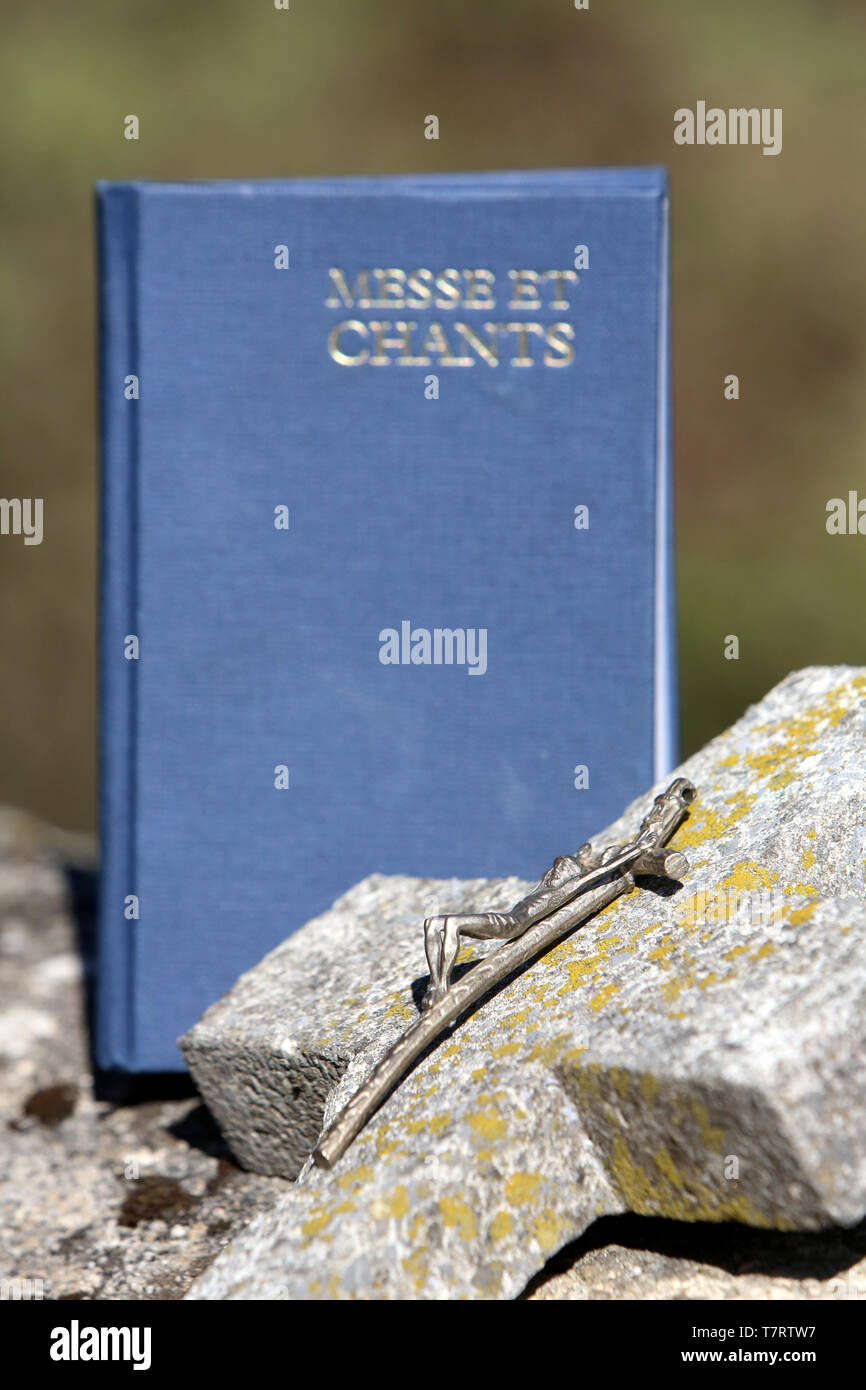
{"type": "Point", "coordinates": [117, 216]}
{"type": "Point", "coordinates": [666, 723]}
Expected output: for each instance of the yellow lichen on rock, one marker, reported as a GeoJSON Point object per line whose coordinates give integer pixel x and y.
{"type": "Point", "coordinates": [460, 1214]}
{"type": "Point", "coordinates": [679, 1195]}
{"type": "Point", "coordinates": [501, 1225]}
{"type": "Point", "coordinates": [548, 1232]}
{"type": "Point", "coordinates": [488, 1124]}
{"type": "Point", "coordinates": [604, 996]}
{"type": "Point", "coordinates": [798, 915]}
{"type": "Point", "coordinates": [521, 1188]}
{"type": "Point", "coordinates": [392, 1206]}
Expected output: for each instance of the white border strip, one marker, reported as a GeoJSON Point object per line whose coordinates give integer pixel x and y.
{"type": "Point", "coordinates": [664, 597]}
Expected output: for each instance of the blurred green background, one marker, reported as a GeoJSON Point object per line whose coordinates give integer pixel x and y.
{"type": "Point", "coordinates": [768, 277]}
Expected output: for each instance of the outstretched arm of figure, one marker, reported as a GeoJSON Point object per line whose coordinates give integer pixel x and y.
{"type": "Point", "coordinates": [442, 934]}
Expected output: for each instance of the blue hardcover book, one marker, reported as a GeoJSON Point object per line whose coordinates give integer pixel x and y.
{"type": "Point", "coordinates": [386, 580]}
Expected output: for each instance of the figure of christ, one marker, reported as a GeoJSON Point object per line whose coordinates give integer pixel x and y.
{"type": "Point", "coordinates": [531, 926]}
{"type": "Point", "coordinates": [566, 877]}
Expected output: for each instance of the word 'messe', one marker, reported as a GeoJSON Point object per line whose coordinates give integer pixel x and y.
{"type": "Point", "coordinates": [409, 343]}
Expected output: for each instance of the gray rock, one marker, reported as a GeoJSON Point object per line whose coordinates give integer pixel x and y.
{"type": "Point", "coordinates": [268, 1055]}
{"type": "Point", "coordinates": [698, 1055]}
{"type": "Point", "coordinates": [615, 1273]}
{"type": "Point", "coordinates": [93, 1195]}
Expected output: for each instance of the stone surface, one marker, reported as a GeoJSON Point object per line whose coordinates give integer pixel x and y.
{"type": "Point", "coordinates": [73, 1215]}
{"type": "Point", "coordinates": [636, 1258]}
{"type": "Point", "coordinates": [100, 1198]}
{"type": "Point", "coordinates": [268, 1055]}
{"type": "Point", "coordinates": [697, 1055]}
{"type": "Point", "coordinates": [616, 1272]}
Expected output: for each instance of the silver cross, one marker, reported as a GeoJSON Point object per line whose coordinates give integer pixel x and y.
{"type": "Point", "coordinates": [547, 914]}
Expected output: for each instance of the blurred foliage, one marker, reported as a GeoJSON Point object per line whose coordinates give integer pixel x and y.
{"type": "Point", "coordinates": [767, 253]}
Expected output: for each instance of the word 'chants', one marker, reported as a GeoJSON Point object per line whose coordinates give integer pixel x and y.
{"type": "Point", "coordinates": [521, 342]}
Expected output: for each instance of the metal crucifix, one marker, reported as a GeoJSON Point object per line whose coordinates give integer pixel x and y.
{"type": "Point", "coordinates": [572, 890]}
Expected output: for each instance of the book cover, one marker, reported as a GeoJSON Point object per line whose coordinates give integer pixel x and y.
{"type": "Point", "coordinates": [386, 567]}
